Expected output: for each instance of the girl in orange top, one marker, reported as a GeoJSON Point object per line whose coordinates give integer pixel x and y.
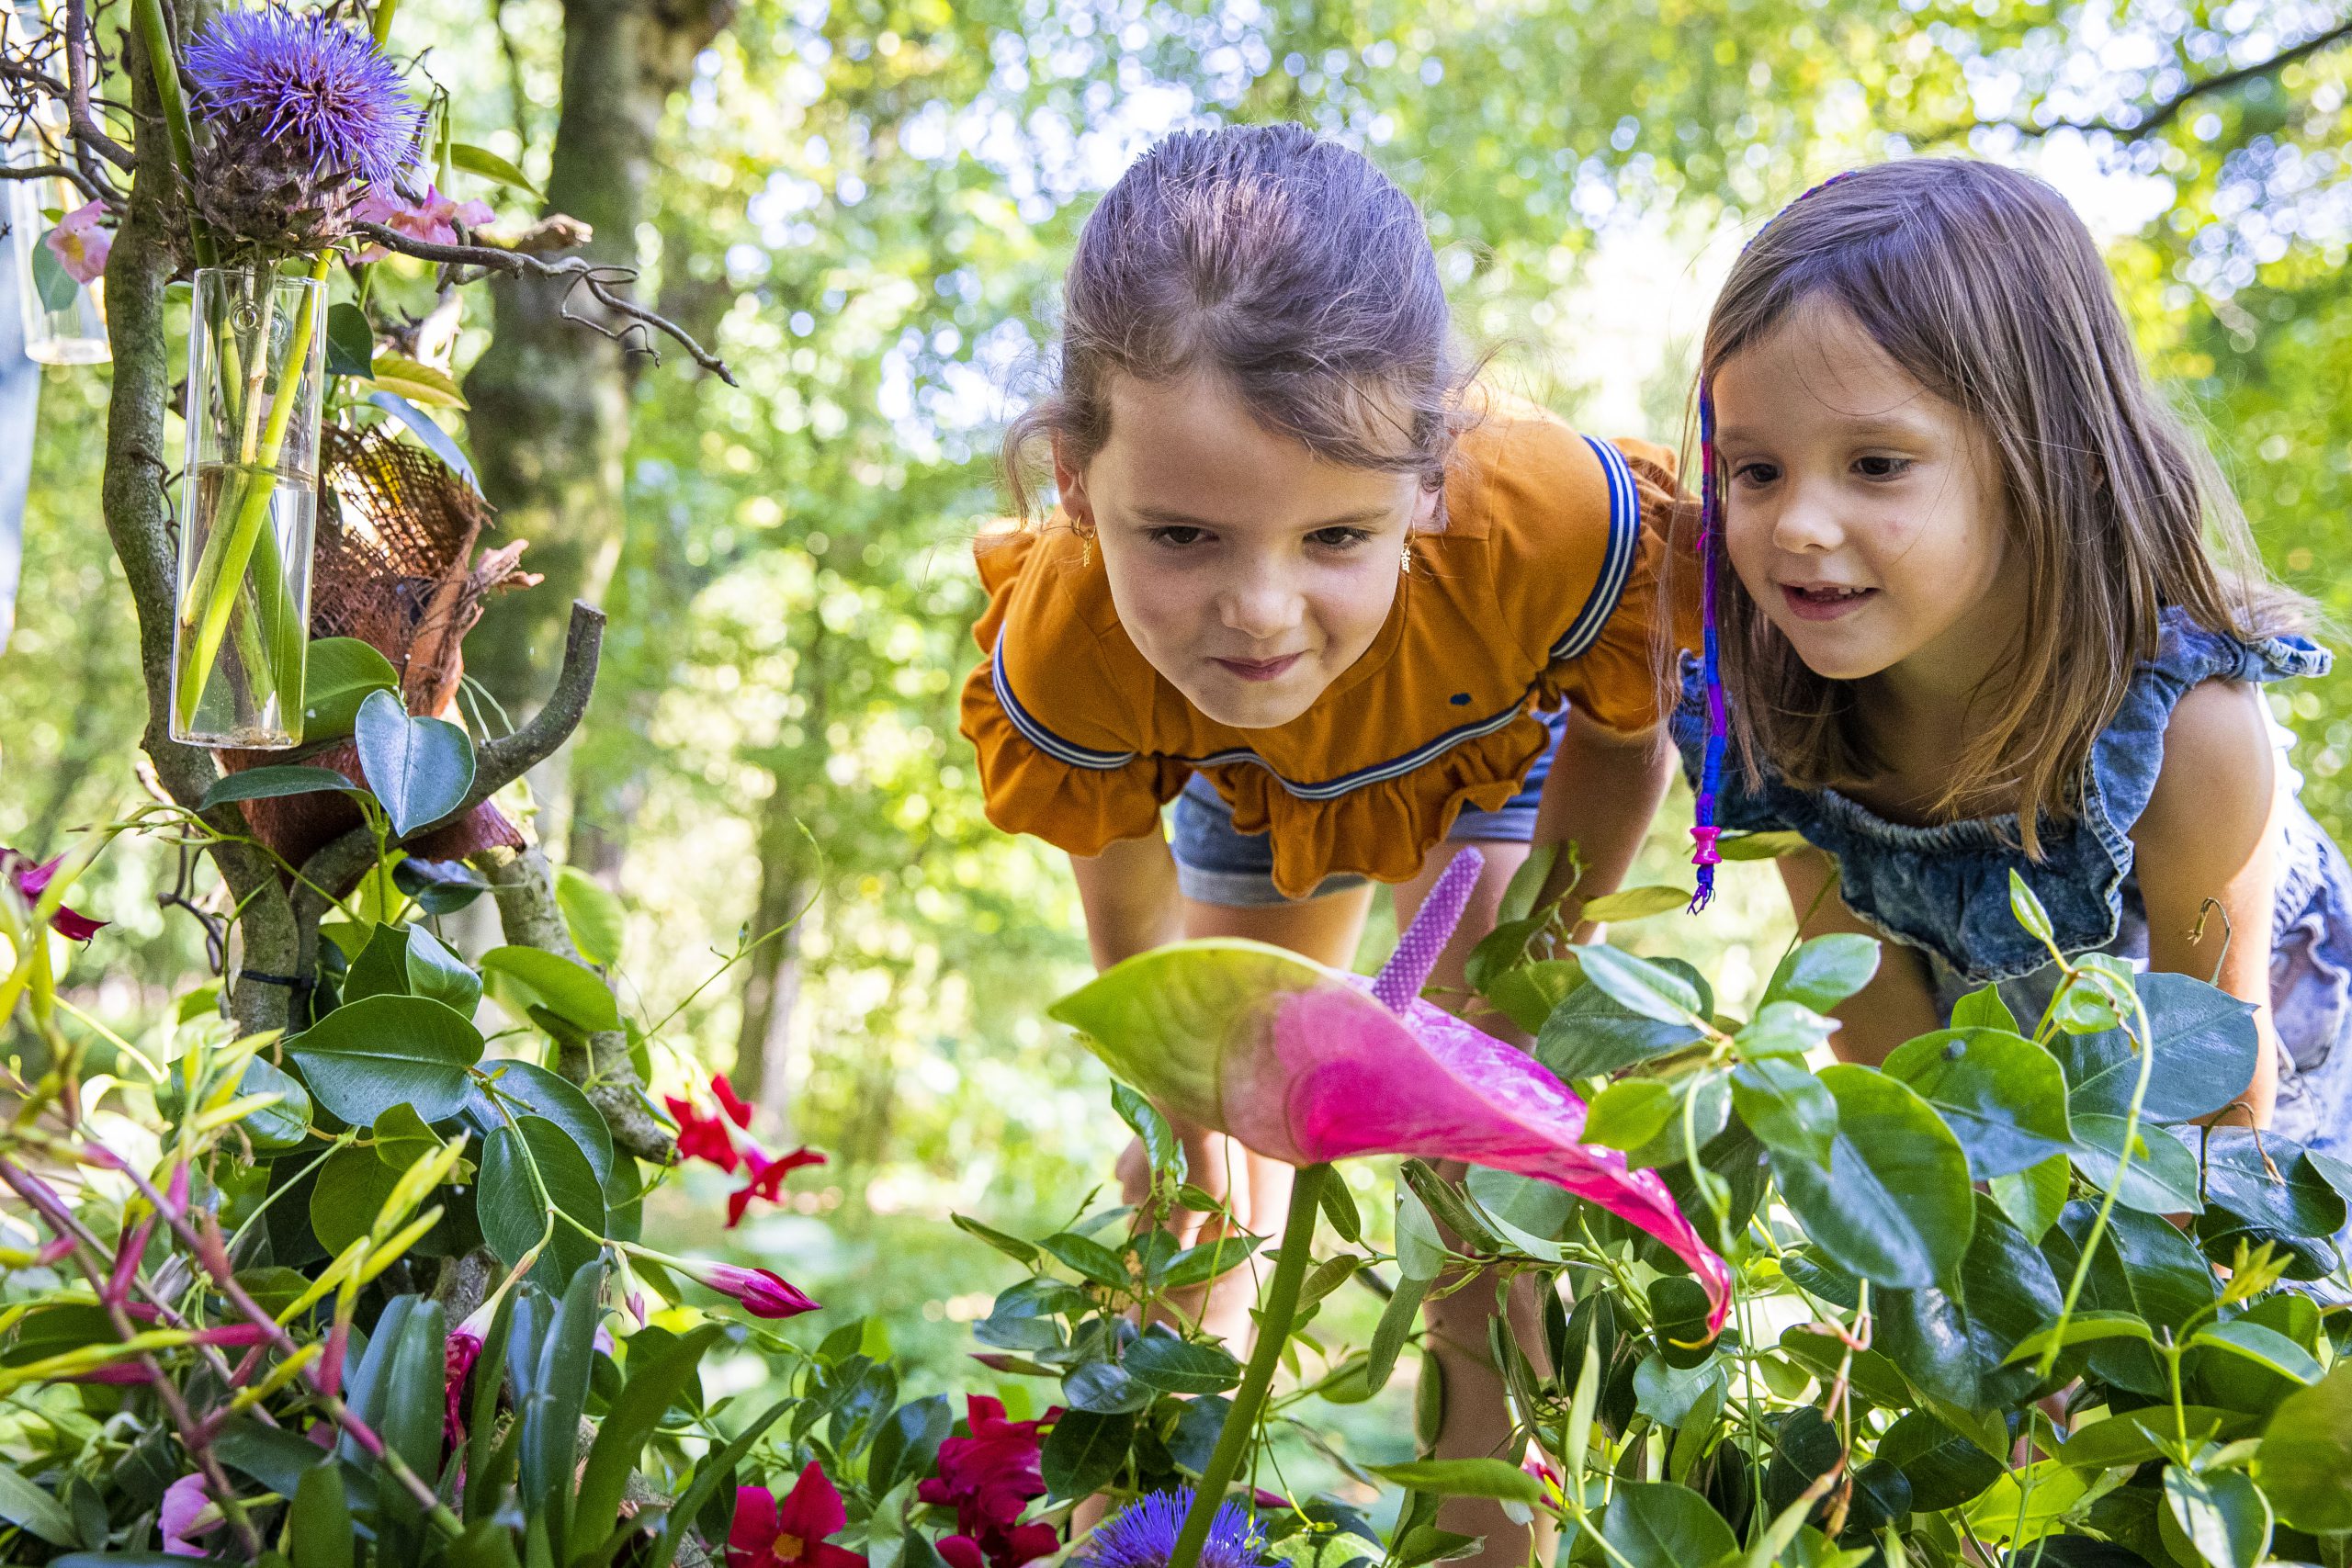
{"type": "Point", "coordinates": [1343, 616]}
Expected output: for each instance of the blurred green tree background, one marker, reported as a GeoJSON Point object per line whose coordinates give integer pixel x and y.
{"type": "Point", "coordinates": [865, 204]}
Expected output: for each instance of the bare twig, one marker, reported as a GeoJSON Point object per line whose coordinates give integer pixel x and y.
{"type": "Point", "coordinates": [598, 280]}
{"type": "Point", "coordinates": [79, 118]}
{"type": "Point", "coordinates": [87, 186]}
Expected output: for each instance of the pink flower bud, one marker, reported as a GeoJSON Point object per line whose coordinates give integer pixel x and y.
{"type": "Point", "coordinates": [763, 1291]}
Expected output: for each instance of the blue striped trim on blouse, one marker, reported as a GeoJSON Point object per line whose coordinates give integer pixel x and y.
{"type": "Point", "coordinates": [1616, 567]}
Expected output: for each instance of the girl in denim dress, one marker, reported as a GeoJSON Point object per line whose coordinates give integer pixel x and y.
{"type": "Point", "coordinates": [1981, 605]}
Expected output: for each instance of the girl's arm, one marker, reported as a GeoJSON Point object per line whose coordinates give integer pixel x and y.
{"type": "Point", "coordinates": [1129, 893]}
{"type": "Point", "coordinates": [1899, 1003]}
{"type": "Point", "coordinates": [1603, 789]}
{"type": "Point", "coordinates": [2207, 836]}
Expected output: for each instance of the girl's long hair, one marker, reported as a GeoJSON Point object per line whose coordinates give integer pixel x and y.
{"type": "Point", "coordinates": [1982, 284]}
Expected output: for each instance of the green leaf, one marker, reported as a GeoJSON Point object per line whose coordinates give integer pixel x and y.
{"type": "Point", "coordinates": [1657, 1524]}
{"type": "Point", "coordinates": [1160, 1144]}
{"type": "Point", "coordinates": [403, 1138]}
{"type": "Point", "coordinates": [1091, 1258]}
{"type": "Point", "coordinates": [550, 1400]}
{"type": "Point", "coordinates": [1759, 846]}
{"type": "Point", "coordinates": [1640, 985]}
{"type": "Point", "coordinates": [571, 991]}
{"type": "Point", "coordinates": [55, 289]}
{"type": "Point", "coordinates": [434, 971]}
{"type": "Point", "coordinates": [2145, 1269]}
{"type": "Point", "coordinates": [2033, 1197]}
{"type": "Point", "coordinates": [2029, 910]}
{"type": "Point", "coordinates": [428, 433]}
{"type": "Point", "coordinates": [2222, 1513]}
{"type": "Point", "coordinates": [1526, 884]}
{"type": "Point", "coordinates": [2207, 1047]}
{"type": "Point", "coordinates": [907, 1443]}
{"type": "Point", "coordinates": [1894, 1205]}
{"type": "Point", "coordinates": [1629, 1112]}
{"type": "Point", "coordinates": [1786, 1108]}
{"type": "Point", "coordinates": [419, 768]}
{"type": "Point", "coordinates": [2264, 1346]}
{"type": "Point", "coordinates": [1207, 1261]}
{"type": "Point", "coordinates": [1668, 1395]}
{"type": "Point", "coordinates": [529, 1088]}
{"type": "Point", "coordinates": [350, 1192]}
{"type": "Point", "coordinates": [274, 1128]}
{"type": "Point", "coordinates": [1012, 1247]}
{"type": "Point", "coordinates": [1635, 904]}
{"type": "Point", "coordinates": [1388, 1335]}
{"type": "Point", "coordinates": [1983, 1008]}
{"type": "Point", "coordinates": [1784, 1029]}
{"type": "Point", "coordinates": [1591, 1033]}
{"type": "Point", "coordinates": [1951, 1339]}
{"type": "Point", "coordinates": [2135, 1436]}
{"type": "Point", "coordinates": [1169, 1365]}
{"type": "Point", "coordinates": [1465, 1478]}
{"type": "Point", "coordinates": [515, 1214]}
{"type": "Point", "coordinates": [419, 383]}
{"type": "Point", "coordinates": [714, 1468]}
{"type": "Point", "coordinates": [351, 350]}
{"type": "Point", "coordinates": [270, 784]}
{"type": "Point", "coordinates": [1824, 971]}
{"type": "Point", "coordinates": [1420, 1251]}
{"type": "Point", "coordinates": [655, 1381]}
{"type": "Point", "coordinates": [481, 160]}
{"type": "Point", "coordinates": [2161, 1177]}
{"type": "Point", "coordinates": [408, 1419]}
{"type": "Point", "coordinates": [2306, 1452]}
{"type": "Point", "coordinates": [369, 1055]}
{"type": "Point", "coordinates": [1945, 1469]}
{"type": "Point", "coordinates": [1701, 1109]}
{"type": "Point", "coordinates": [25, 1504]}
{"type": "Point", "coordinates": [340, 673]}
{"type": "Point", "coordinates": [593, 913]}
{"type": "Point", "coordinates": [2003, 1095]}
{"type": "Point", "coordinates": [1528, 994]}
{"type": "Point", "coordinates": [1084, 1451]}
{"type": "Point", "coordinates": [1339, 1209]}
{"type": "Point", "coordinates": [319, 1523]}
{"type": "Point", "coordinates": [2262, 1188]}
{"type": "Point", "coordinates": [2083, 1328]}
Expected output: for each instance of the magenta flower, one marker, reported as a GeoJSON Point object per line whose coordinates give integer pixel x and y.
{"type": "Point", "coordinates": [793, 1535]}
{"type": "Point", "coordinates": [434, 219]}
{"type": "Point", "coordinates": [1306, 1064]}
{"type": "Point", "coordinates": [186, 1511]}
{"type": "Point", "coordinates": [82, 242]}
{"type": "Point", "coordinates": [765, 1178]}
{"type": "Point", "coordinates": [987, 1476]}
{"type": "Point", "coordinates": [763, 1291]}
{"type": "Point", "coordinates": [31, 878]}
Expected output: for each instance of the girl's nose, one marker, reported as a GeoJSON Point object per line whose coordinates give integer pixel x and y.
{"type": "Point", "coordinates": [1807, 524]}
{"type": "Point", "coordinates": [1260, 605]}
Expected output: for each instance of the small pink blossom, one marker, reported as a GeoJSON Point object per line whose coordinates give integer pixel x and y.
{"type": "Point", "coordinates": [81, 242]}
{"type": "Point", "coordinates": [186, 1511]}
{"type": "Point", "coordinates": [434, 219]}
{"type": "Point", "coordinates": [763, 1291]}
{"type": "Point", "coordinates": [459, 1351]}
{"type": "Point", "coordinates": [31, 878]}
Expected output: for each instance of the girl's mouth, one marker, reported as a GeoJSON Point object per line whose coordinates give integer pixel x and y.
{"type": "Point", "coordinates": [1258, 669]}
{"type": "Point", "coordinates": [1824, 601]}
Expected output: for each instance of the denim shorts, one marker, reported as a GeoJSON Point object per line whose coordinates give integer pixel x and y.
{"type": "Point", "coordinates": [1217, 863]}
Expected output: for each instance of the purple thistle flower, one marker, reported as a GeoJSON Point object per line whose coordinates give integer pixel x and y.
{"type": "Point", "coordinates": [318, 85]}
{"type": "Point", "coordinates": [1144, 1535]}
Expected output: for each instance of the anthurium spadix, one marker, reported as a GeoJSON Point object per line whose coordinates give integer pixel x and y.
{"type": "Point", "coordinates": [1305, 1063]}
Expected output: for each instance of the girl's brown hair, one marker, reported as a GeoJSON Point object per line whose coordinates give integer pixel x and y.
{"type": "Point", "coordinates": [1982, 284]}
{"type": "Point", "coordinates": [1287, 266]}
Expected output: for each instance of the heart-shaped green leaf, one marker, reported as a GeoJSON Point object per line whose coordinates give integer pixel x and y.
{"type": "Point", "coordinates": [419, 768]}
{"type": "Point", "coordinates": [341, 673]}
{"type": "Point", "coordinates": [367, 1056]}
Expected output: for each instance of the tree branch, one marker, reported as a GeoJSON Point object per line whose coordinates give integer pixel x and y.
{"type": "Point", "coordinates": [501, 762]}
{"type": "Point", "coordinates": [597, 278]}
{"type": "Point", "coordinates": [2149, 121]}
{"type": "Point", "coordinates": [88, 186]}
{"type": "Point", "coordinates": [79, 119]}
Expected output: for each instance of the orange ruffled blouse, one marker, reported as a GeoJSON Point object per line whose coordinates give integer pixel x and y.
{"type": "Point", "coordinates": [1542, 586]}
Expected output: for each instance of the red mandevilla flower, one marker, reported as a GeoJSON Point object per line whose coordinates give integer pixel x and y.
{"type": "Point", "coordinates": [763, 1291]}
{"type": "Point", "coordinates": [702, 1136]}
{"type": "Point", "coordinates": [794, 1534]}
{"type": "Point", "coordinates": [767, 1179]}
{"type": "Point", "coordinates": [988, 1478]}
{"type": "Point", "coordinates": [31, 878]}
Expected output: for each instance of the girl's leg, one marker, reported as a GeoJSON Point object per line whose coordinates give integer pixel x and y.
{"type": "Point", "coordinates": [1474, 1420]}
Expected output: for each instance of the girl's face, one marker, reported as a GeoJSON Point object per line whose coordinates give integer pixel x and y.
{"type": "Point", "coordinates": [1861, 510]}
{"type": "Point", "coordinates": [1249, 571]}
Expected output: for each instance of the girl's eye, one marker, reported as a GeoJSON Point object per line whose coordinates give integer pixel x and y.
{"type": "Point", "coordinates": [1881, 467]}
{"type": "Point", "coordinates": [1335, 539]}
{"type": "Point", "coordinates": [1177, 536]}
{"type": "Point", "coordinates": [1755, 473]}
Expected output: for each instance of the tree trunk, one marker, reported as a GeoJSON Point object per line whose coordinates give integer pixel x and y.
{"type": "Point", "coordinates": [763, 1072]}
{"type": "Point", "coordinates": [550, 396]}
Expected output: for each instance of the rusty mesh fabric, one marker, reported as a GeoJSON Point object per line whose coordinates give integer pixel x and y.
{"type": "Point", "coordinates": [393, 568]}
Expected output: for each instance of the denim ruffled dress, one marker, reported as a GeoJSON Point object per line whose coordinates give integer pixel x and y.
{"type": "Point", "coordinates": [1944, 890]}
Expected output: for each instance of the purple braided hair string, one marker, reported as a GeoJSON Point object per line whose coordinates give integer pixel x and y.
{"type": "Point", "coordinates": [1408, 969]}
{"type": "Point", "coordinates": [1705, 834]}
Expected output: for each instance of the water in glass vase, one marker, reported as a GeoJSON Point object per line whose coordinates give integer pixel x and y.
{"type": "Point", "coordinates": [237, 676]}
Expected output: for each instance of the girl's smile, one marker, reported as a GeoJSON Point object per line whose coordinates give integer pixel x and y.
{"type": "Point", "coordinates": [1251, 572]}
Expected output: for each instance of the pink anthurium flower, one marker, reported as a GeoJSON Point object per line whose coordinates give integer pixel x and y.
{"type": "Point", "coordinates": [1305, 1063]}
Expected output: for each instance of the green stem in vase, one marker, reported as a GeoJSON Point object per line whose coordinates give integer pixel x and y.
{"type": "Point", "coordinates": [213, 587]}
{"type": "Point", "coordinates": [1275, 1320]}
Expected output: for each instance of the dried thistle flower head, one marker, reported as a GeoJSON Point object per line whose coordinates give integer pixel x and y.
{"type": "Point", "coordinates": [297, 108]}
